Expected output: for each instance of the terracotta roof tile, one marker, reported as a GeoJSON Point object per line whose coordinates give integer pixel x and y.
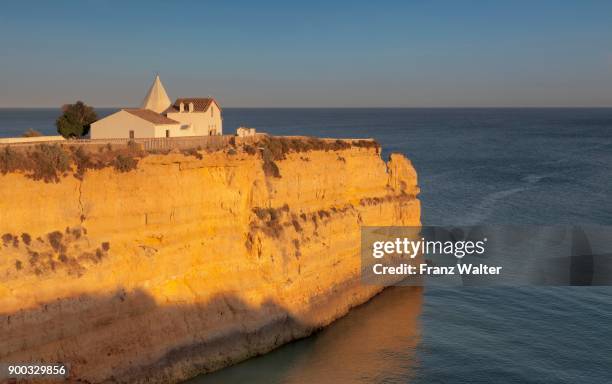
{"type": "Point", "coordinates": [200, 104]}
{"type": "Point", "coordinates": [150, 116]}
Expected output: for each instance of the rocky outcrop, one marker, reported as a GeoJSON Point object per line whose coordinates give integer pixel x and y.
{"type": "Point", "coordinates": [186, 265]}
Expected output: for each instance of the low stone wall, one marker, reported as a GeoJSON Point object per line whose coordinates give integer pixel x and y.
{"type": "Point", "coordinates": [150, 144]}
{"type": "Point", "coordinates": [30, 140]}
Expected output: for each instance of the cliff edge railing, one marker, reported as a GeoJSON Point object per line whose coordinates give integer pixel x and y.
{"type": "Point", "coordinates": [209, 143]}
{"type": "Point", "coordinates": [158, 143]}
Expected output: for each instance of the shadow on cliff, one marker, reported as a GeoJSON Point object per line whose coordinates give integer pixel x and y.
{"type": "Point", "coordinates": [128, 336]}
{"type": "Point", "coordinates": [375, 342]}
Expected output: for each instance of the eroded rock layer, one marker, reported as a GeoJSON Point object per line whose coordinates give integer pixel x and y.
{"type": "Point", "coordinates": [187, 265]}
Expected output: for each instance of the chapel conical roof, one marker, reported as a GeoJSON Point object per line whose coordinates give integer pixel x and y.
{"type": "Point", "coordinates": [157, 99]}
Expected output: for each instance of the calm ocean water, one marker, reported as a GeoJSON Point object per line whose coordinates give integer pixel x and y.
{"type": "Point", "coordinates": [498, 166]}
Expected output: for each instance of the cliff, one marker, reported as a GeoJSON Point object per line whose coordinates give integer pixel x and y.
{"type": "Point", "coordinates": [188, 264]}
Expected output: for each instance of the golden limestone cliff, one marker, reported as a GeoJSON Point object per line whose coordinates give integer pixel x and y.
{"type": "Point", "coordinates": [187, 264]}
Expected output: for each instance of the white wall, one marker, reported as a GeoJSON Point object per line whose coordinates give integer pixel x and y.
{"type": "Point", "coordinates": [177, 130]}
{"type": "Point", "coordinates": [119, 125]}
{"type": "Point", "coordinates": [203, 123]}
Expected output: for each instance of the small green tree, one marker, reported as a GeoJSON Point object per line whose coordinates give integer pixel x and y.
{"type": "Point", "coordinates": [75, 120]}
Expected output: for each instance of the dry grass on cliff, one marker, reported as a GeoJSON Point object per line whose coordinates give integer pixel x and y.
{"type": "Point", "coordinates": [279, 147]}
{"type": "Point", "coordinates": [270, 219]}
{"type": "Point", "coordinates": [370, 201]}
{"type": "Point", "coordinates": [273, 222]}
{"type": "Point", "coordinates": [193, 152]}
{"type": "Point", "coordinates": [44, 162]}
{"type": "Point", "coordinates": [50, 162]}
{"type": "Point", "coordinates": [70, 251]}
{"type": "Point", "coordinates": [276, 148]}
{"type": "Point", "coordinates": [269, 166]}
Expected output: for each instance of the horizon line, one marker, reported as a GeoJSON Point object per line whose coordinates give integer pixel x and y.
{"type": "Point", "coordinates": [363, 107]}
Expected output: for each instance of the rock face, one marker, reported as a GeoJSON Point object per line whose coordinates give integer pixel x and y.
{"type": "Point", "coordinates": [187, 265]}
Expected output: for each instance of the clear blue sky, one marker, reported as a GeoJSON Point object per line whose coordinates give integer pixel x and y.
{"type": "Point", "coordinates": [423, 53]}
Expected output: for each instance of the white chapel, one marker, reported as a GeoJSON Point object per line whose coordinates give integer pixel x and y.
{"type": "Point", "coordinates": [159, 117]}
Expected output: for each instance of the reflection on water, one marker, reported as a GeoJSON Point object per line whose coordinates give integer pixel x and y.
{"type": "Point", "coordinates": [375, 342]}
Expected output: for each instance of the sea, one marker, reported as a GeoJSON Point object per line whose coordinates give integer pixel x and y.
{"type": "Point", "coordinates": [475, 166]}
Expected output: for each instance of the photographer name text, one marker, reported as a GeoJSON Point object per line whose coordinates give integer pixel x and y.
{"type": "Point", "coordinates": [425, 269]}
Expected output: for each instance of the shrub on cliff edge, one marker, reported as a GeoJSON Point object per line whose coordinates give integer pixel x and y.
{"type": "Point", "coordinates": [125, 163]}
{"type": "Point", "coordinates": [10, 160]}
{"type": "Point", "coordinates": [49, 162]}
